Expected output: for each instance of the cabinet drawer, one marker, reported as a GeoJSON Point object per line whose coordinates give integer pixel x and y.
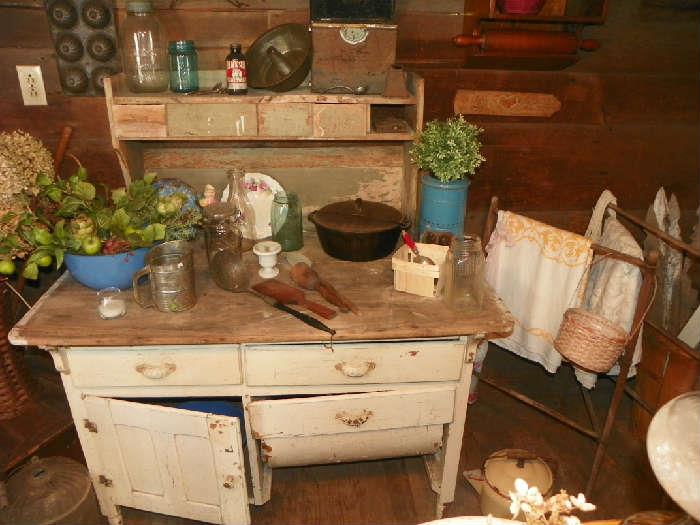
{"type": "Point", "coordinates": [362, 446]}
{"type": "Point", "coordinates": [354, 363]}
{"type": "Point", "coordinates": [340, 120]}
{"type": "Point", "coordinates": [212, 120]}
{"type": "Point", "coordinates": [326, 415]}
{"type": "Point", "coordinates": [138, 121]}
{"type": "Point", "coordinates": [284, 120]}
{"type": "Point", "coordinates": [154, 366]}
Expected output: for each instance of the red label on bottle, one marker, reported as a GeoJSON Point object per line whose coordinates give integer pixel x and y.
{"type": "Point", "coordinates": [236, 75]}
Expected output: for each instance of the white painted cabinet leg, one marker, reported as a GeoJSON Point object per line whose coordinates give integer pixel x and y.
{"type": "Point", "coordinates": [102, 490]}
{"type": "Point", "coordinates": [443, 466]}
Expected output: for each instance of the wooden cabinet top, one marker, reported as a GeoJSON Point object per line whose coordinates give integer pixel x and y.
{"type": "Point", "coordinates": [67, 314]}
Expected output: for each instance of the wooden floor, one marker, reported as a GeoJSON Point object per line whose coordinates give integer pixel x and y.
{"type": "Point", "coordinates": [397, 491]}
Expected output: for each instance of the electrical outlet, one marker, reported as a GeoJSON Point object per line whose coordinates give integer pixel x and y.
{"type": "Point", "coordinates": [31, 82]}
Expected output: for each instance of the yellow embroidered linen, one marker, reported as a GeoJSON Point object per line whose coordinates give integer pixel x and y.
{"type": "Point", "coordinates": [536, 269]}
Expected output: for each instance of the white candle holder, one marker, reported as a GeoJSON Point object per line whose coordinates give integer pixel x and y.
{"type": "Point", "coordinates": [267, 257]}
{"type": "Point", "coordinates": [111, 303]}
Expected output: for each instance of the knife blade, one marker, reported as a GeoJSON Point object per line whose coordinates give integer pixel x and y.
{"type": "Point", "coordinates": [311, 321]}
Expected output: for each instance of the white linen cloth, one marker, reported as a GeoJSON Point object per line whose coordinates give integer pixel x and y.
{"type": "Point", "coordinates": [613, 285]}
{"type": "Point", "coordinates": [536, 270]}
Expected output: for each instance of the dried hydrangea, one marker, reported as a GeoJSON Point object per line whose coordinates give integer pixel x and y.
{"type": "Point", "coordinates": [22, 159]}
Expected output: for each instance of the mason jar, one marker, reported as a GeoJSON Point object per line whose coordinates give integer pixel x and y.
{"type": "Point", "coordinates": [184, 75]}
{"type": "Point", "coordinates": [465, 267]}
{"type": "Point", "coordinates": [285, 219]}
{"type": "Point", "coordinates": [144, 55]}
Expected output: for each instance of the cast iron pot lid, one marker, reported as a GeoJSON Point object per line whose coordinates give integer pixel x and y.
{"type": "Point", "coordinates": [358, 216]}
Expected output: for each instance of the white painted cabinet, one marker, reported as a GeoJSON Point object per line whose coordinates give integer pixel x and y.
{"type": "Point", "coordinates": [170, 461]}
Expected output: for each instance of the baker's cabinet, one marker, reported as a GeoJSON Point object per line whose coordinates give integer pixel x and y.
{"type": "Point", "coordinates": [304, 404]}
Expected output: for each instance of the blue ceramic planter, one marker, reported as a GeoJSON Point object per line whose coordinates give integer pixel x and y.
{"type": "Point", "coordinates": [103, 271]}
{"type": "Point", "coordinates": [443, 205]}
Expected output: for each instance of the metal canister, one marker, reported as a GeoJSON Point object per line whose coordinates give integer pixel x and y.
{"type": "Point", "coordinates": [170, 269]}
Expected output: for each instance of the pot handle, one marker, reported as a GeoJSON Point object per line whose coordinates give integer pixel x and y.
{"type": "Point", "coordinates": [358, 205]}
{"type": "Point", "coordinates": [312, 216]}
{"type": "Point", "coordinates": [136, 289]}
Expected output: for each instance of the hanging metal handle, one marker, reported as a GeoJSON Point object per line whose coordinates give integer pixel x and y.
{"type": "Point", "coordinates": [355, 369]}
{"type": "Point", "coordinates": [354, 420]}
{"type": "Point", "coordinates": [156, 371]}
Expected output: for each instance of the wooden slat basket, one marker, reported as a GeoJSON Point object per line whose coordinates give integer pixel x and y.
{"type": "Point", "coordinates": [419, 279]}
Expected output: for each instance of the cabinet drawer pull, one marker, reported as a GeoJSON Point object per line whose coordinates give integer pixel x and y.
{"type": "Point", "coordinates": [354, 420]}
{"type": "Point", "coordinates": [356, 369]}
{"type": "Point", "coordinates": [156, 371]}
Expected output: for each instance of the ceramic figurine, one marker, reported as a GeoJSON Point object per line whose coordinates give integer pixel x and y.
{"type": "Point", "coordinates": [209, 196]}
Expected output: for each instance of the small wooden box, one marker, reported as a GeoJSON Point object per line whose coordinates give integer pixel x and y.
{"type": "Point", "coordinates": [419, 279]}
{"type": "Point", "coordinates": [349, 56]}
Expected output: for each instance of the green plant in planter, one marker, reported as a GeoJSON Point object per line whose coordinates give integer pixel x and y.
{"type": "Point", "coordinates": [69, 216]}
{"type": "Point", "coordinates": [449, 149]}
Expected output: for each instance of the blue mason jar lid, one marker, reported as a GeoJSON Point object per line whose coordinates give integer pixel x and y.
{"type": "Point", "coordinates": [181, 46]}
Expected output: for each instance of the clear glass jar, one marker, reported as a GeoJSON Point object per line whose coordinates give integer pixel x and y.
{"type": "Point", "coordinates": [144, 55]}
{"type": "Point", "coordinates": [224, 250]}
{"type": "Point", "coordinates": [465, 273]}
{"type": "Point", "coordinates": [285, 219]}
{"type": "Point", "coordinates": [184, 75]}
{"type": "Point", "coordinates": [244, 215]}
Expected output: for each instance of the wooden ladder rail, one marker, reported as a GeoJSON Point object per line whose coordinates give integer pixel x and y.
{"type": "Point", "coordinates": [646, 295]}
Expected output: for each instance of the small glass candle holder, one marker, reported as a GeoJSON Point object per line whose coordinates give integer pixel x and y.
{"type": "Point", "coordinates": [111, 303]}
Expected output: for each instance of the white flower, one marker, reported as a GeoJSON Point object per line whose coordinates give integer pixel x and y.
{"type": "Point", "coordinates": [533, 494]}
{"type": "Point", "coordinates": [514, 504]}
{"type": "Point", "coordinates": [521, 487]}
{"type": "Point", "coordinates": [581, 503]}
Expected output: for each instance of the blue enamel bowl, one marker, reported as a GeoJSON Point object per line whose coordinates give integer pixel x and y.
{"type": "Point", "coordinates": [103, 271]}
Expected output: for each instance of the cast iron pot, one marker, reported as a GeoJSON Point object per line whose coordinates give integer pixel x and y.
{"type": "Point", "coordinates": [358, 230]}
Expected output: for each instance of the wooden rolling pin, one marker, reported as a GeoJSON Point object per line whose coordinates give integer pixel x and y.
{"type": "Point", "coordinates": [536, 42]}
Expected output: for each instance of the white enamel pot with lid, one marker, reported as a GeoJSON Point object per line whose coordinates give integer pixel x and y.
{"type": "Point", "coordinates": [498, 475]}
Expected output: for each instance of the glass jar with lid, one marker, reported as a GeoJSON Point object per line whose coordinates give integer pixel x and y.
{"type": "Point", "coordinates": [184, 75]}
{"type": "Point", "coordinates": [144, 54]}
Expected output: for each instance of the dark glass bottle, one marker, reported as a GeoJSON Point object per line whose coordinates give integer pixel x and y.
{"type": "Point", "coordinates": [236, 72]}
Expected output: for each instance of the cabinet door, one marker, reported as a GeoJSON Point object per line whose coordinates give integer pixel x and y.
{"type": "Point", "coordinates": [170, 461]}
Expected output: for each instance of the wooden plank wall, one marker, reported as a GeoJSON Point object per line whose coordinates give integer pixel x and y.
{"type": "Point", "coordinates": [629, 118]}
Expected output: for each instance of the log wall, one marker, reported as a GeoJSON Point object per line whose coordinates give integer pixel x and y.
{"type": "Point", "coordinates": [629, 119]}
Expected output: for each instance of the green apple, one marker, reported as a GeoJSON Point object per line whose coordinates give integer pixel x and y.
{"type": "Point", "coordinates": [91, 245]}
{"type": "Point", "coordinates": [44, 261]}
{"type": "Point", "coordinates": [7, 267]}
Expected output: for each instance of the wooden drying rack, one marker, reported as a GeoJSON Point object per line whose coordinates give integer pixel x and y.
{"type": "Point", "coordinates": [646, 295]}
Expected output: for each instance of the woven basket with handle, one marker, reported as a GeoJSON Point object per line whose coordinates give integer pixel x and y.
{"type": "Point", "coordinates": [590, 340]}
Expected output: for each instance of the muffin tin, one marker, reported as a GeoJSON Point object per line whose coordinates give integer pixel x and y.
{"type": "Point", "coordinates": [86, 45]}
